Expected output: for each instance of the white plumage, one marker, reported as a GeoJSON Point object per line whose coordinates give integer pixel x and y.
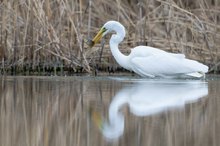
{"type": "Point", "coordinates": [149, 61]}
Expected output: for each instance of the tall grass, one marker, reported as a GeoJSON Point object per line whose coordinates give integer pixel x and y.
{"type": "Point", "coordinates": [46, 36]}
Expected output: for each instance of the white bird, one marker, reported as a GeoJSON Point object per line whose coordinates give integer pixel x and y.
{"type": "Point", "coordinates": [149, 61]}
{"type": "Point", "coordinates": [143, 99]}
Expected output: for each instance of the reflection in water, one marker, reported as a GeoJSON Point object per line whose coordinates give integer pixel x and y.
{"type": "Point", "coordinates": [146, 98]}
{"type": "Point", "coordinates": [56, 111]}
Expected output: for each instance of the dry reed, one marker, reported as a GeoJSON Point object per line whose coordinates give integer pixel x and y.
{"type": "Point", "coordinates": [47, 36]}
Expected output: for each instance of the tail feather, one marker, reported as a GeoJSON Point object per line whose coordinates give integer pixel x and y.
{"type": "Point", "coordinates": [196, 74]}
{"type": "Point", "coordinates": [198, 67]}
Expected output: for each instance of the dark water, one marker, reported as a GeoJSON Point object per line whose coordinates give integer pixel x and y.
{"type": "Point", "coordinates": [99, 111]}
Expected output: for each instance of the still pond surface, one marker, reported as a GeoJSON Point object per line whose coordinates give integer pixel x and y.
{"type": "Point", "coordinates": [99, 111]}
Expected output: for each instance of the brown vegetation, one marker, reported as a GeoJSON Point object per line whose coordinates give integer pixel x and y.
{"type": "Point", "coordinates": [47, 36]}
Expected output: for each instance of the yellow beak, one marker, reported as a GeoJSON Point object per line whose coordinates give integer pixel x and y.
{"type": "Point", "coordinates": [97, 38]}
{"type": "Point", "coordinates": [97, 118]}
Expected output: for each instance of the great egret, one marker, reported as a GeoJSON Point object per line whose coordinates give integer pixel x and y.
{"type": "Point", "coordinates": [148, 61]}
{"type": "Point", "coordinates": [143, 99]}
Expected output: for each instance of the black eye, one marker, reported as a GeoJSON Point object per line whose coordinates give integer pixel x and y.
{"type": "Point", "coordinates": [104, 29]}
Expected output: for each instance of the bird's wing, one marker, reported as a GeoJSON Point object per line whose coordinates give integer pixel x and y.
{"type": "Point", "coordinates": [149, 61]}
{"type": "Point", "coordinates": [147, 51]}
{"type": "Point", "coordinates": [159, 65]}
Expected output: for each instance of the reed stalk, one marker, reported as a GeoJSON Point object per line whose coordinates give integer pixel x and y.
{"type": "Point", "coordinates": [38, 35]}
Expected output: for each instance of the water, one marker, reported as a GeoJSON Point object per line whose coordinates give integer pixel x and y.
{"type": "Point", "coordinates": [93, 111]}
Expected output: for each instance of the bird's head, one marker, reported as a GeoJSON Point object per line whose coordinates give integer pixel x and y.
{"type": "Point", "coordinates": [106, 28]}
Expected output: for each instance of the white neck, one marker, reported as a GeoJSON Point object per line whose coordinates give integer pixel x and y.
{"type": "Point", "coordinates": [115, 127]}
{"type": "Point", "coordinates": [114, 41]}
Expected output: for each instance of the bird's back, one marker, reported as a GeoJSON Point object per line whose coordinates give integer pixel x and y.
{"type": "Point", "coordinates": [141, 51]}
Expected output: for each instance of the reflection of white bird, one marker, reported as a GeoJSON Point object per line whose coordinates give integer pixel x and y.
{"type": "Point", "coordinates": [149, 61]}
{"type": "Point", "coordinates": [148, 98]}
